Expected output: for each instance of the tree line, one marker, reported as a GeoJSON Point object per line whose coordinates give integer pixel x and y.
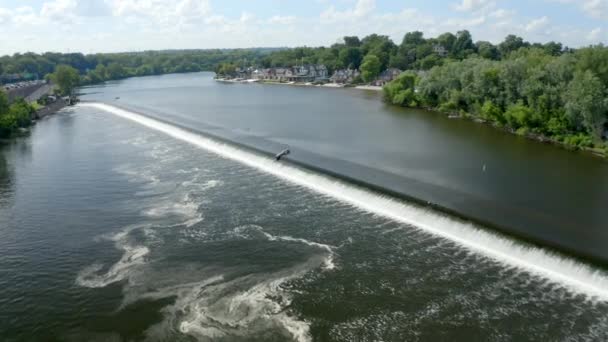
{"type": "Point", "coordinates": [531, 91]}
{"type": "Point", "coordinates": [95, 68]}
{"type": "Point", "coordinates": [546, 89]}
{"type": "Point", "coordinates": [375, 53]}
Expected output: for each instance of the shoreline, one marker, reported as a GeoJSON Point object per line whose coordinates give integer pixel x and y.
{"type": "Point", "coordinates": [540, 138]}
{"type": "Point", "coordinates": [300, 84]}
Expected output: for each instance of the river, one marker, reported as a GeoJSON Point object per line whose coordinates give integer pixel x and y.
{"type": "Point", "coordinates": [117, 226]}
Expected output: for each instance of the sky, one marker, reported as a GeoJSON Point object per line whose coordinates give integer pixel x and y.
{"type": "Point", "coordinates": [92, 26]}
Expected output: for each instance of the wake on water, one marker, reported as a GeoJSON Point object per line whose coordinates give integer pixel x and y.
{"type": "Point", "coordinates": [574, 275]}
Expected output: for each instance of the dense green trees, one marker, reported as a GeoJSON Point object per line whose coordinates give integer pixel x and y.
{"type": "Point", "coordinates": [402, 90]}
{"type": "Point", "coordinates": [66, 78]}
{"type": "Point", "coordinates": [14, 116]}
{"type": "Point", "coordinates": [101, 67]}
{"type": "Point", "coordinates": [534, 90]}
{"type": "Point", "coordinates": [587, 103]}
{"type": "Point", "coordinates": [370, 68]}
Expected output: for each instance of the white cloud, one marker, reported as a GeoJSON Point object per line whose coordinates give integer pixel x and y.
{"type": "Point", "coordinates": [362, 8]}
{"type": "Point", "coordinates": [160, 12]}
{"type": "Point", "coordinates": [594, 35]}
{"type": "Point", "coordinates": [465, 23]}
{"type": "Point", "coordinates": [62, 11]}
{"type": "Point", "coordinates": [158, 24]}
{"type": "Point", "coordinates": [472, 5]}
{"type": "Point", "coordinates": [502, 13]}
{"type": "Point", "coordinates": [193, 8]}
{"type": "Point", "coordinates": [596, 8]}
{"type": "Point", "coordinates": [216, 20]}
{"type": "Point", "coordinates": [246, 17]}
{"type": "Point", "coordinates": [25, 16]}
{"type": "Point", "coordinates": [5, 15]}
{"type": "Point", "coordinates": [537, 24]}
{"type": "Point", "coordinates": [282, 20]}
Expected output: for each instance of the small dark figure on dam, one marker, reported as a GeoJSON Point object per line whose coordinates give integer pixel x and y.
{"type": "Point", "coordinates": [282, 154]}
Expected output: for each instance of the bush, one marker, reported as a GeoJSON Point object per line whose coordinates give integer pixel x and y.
{"type": "Point", "coordinates": [401, 91]}
{"type": "Point", "coordinates": [518, 115]}
{"type": "Point", "coordinates": [578, 141]}
{"type": "Point", "coordinates": [522, 131]}
{"type": "Point", "coordinates": [405, 98]}
{"type": "Point", "coordinates": [491, 112]}
{"type": "Point", "coordinates": [556, 126]}
{"type": "Point", "coordinates": [448, 107]}
{"type": "Point", "coordinates": [18, 115]}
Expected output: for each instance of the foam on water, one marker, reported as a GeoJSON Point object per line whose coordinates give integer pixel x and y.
{"type": "Point", "coordinates": [221, 310]}
{"type": "Point", "coordinates": [328, 263]}
{"type": "Point", "coordinates": [568, 272]}
{"type": "Point", "coordinates": [132, 257]}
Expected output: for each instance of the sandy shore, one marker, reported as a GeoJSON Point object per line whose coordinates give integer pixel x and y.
{"type": "Point", "coordinates": [369, 87]}
{"type": "Point", "coordinates": [326, 85]}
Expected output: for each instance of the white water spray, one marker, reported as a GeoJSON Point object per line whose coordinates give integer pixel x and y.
{"type": "Point", "coordinates": [574, 275]}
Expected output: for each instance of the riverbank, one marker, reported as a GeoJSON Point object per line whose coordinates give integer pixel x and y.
{"type": "Point", "coordinates": [50, 109]}
{"type": "Point", "coordinates": [595, 151]}
{"type": "Point", "coordinates": [300, 84]}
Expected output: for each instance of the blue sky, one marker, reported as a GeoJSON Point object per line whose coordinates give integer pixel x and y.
{"type": "Point", "coordinates": [129, 25]}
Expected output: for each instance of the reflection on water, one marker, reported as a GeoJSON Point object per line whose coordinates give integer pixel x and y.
{"type": "Point", "coordinates": [5, 177]}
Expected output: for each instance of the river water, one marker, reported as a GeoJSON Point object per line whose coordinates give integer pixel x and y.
{"type": "Point", "coordinates": [116, 226]}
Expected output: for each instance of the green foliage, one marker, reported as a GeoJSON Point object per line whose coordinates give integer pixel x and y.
{"type": "Point", "coordinates": [491, 112]}
{"type": "Point", "coordinates": [531, 88]}
{"type": "Point", "coordinates": [402, 91]}
{"type": "Point", "coordinates": [22, 112]}
{"type": "Point", "coordinates": [225, 69]}
{"type": "Point", "coordinates": [15, 116]}
{"type": "Point", "coordinates": [3, 102]}
{"type": "Point", "coordinates": [487, 50]}
{"type": "Point", "coordinates": [350, 57]}
{"type": "Point", "coordinates": [518, 115]}
{"type": "Point", "coordinates": [370, 68]}
{"type": "Point", "coordinates": [66, 78]}
{"type": "Point", "coordinates": [536, 89]}
{"type": "Point", "coordinates": [586, 103]}
{"type": "Point", "coordinates": [578, 141]}
{"type": "Point", "coordinates": [510, 44]}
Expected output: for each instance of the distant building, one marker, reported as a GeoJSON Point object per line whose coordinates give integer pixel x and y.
{"type": "Point", "coordinates": [263, 74]}
{"type": "Point", "coordinates": [440, 50]}
{"type": "Point", "coordinates": [345, 76]}
{"type": "Point", "coordinates": [386, 76]}
{"type": "Point", "coordinates": [309, 73]}
{"type": "Point", "coordinates": [303, 73]}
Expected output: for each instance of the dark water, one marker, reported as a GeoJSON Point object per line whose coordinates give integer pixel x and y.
{"type": "Point", "coordinates": [113, 231]}
{"type": "Point", "coordinates": [537, 191]}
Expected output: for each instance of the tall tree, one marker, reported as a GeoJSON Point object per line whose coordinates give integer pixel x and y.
{"type": "Point", "coordinates": [350, 57]}
{"type": "Point", "coordinates": [587, 103]}
{"type": "Point", "coordinates": [510, 44]}
{"type": "Point", "coordinates": [447, 40]}
{"type": "Point", "coordinates": [370, 68]}
{"type": "Point", "coordinates": [487, 50]}
{"type": "Point", "coordinates": [463, 46]}
{"type": "Point", "coordinates": [352, 41]}
{"type": "Point", "coordinates": [66, 78]}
